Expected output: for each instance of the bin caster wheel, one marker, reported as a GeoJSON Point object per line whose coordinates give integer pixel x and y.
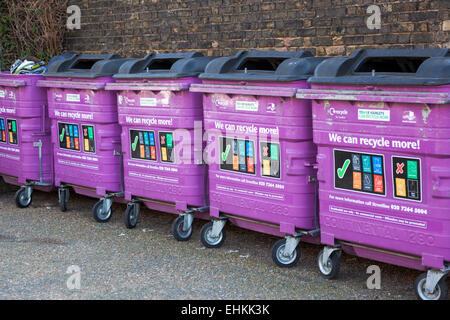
{"type": "Point", "coordinates": [63, 199]}
{"type": "Point", "coordinates": [208, 240]}
{"type": "Point", "coordinates": [178, 232]}
{"type": "Point", "coordinates": [100, 214]}
{"type": "Point", "coordinates": [280, 259]}
{"type": "Point", "coordinates": [131, 215]}
{"type": "Point", "coordinates": [329, 270]}
{"type": "Point", "coordinates": [440, 291]}
{"type": "Point", "coordinates": [22, 198]}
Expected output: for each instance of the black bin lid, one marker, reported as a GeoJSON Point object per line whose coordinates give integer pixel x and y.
{"type": "Point", "coordinates": [164, 65]}
{"type": "Point", "coordinates": [387, 67]}
{"type": "Point", "coordinates": [74, 65]}
{"type": "Point", "coordinates": [263, 66]}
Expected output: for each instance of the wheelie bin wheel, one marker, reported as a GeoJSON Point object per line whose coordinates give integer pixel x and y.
{"type": "Point", "coordinates": [208, 240]}
{"type": "Point", "coordinates": [22, 199]}
{"type": "Point", "coordinates": [440, 291]}
{"type": "Point", "coordinates": [99, 214]}
{"type": "Point", "coordinates": [178, 232]}
{"type": "Point", "coordinates": [331, 269]}
{"type": "Point", "coordinates": [131, 215]}
{"type": "Point", "coordinates": [280, 259]}
{"type": "Point", "coordinates": [63, 199]}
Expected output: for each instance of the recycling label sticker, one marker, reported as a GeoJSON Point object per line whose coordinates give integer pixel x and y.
{"type": "Point", "coordinates": [68, 136]}
{"type": "Point", "coordinates": [2, 131]}
{"type": "Point", "coordinates": [143, 145]}
{"type": "Point", "coordinates": [374, 115]}
{"type": "Point", "coordinates": [359, 172]}
{"type": "Point", "coordinates": [70, 97]}
{"type": "Point", "coordinates": [247, 106]}
{"type": "Point", "coordinates": [270, 160]}
{"type": "Point", "coordinates": [237, 155]}
{"type": "Point", "coordinates": [407, 178]}
{"type": "Point", "coordinates": [167, 147]}
{"type": "Point", "coordinates": [88, 139]}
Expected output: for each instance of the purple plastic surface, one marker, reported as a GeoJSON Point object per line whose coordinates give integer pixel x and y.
{"type": "Point", "coordinates": [395, 198]}
{"type": "Point", "coordinates": [85, 135]}
{"type": "Point", "coordinates": [24, 122]}
{"type": "Point", "coordinates": [158, 119]}
{"type": "Point", "coordinates": [268, 191]}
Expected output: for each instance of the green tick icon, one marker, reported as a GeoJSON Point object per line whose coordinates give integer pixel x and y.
{"type": "Point", "coordinates": [225, 154]}
{"type": "Point", "coordinates": [134, 145]}
{"type": "Point", "coordinates": [341, 171]}
{"type": "Point", "coordinates": [61, 137]}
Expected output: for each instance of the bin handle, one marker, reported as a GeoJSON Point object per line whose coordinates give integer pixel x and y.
{"type": "Point", "coordinates": [436, 175]}
{"type": "Point", "coordinates": [379, 96]}
{"type": "Point", "coordinates": [147, 86]}
{"type": "Point", "coordinates": [12, 83]}
{"type": "Point", "coordinates": [244, 90]}
{"type": "Point", "coordinates": [81, 85]}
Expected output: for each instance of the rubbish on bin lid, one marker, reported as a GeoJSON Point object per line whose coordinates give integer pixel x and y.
{"type": "Point", "coordinates": [28, 67]}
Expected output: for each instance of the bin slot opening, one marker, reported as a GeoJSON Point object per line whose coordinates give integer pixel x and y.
{"type": "Point", "coordinates": [161, 64]}
{"type": "Point", "coordinates": [84, 64]}
{"type": "Point", "coordinates": [261, 64]}
{"type": "Point", "coordinates": [391, 64]}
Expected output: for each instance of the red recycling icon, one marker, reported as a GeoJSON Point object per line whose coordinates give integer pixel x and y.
{"type": "Point", "coordinates": [400, 168]}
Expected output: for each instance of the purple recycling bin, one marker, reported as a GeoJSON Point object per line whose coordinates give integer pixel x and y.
{"type": "Point", "coordinates": [382, 130]}
{"type": "Point", "coordinates": [85, 129]}
{"type": "Point", "coordinates": [260, 150]}
{"type": "Point", "coordinates": [25, 148]}
{"type": "Point", "coordinates": [160, 120]}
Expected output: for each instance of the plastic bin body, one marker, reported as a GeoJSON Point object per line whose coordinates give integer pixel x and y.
{"type": "Point", "coordinates": [162, 132]}
{"type": "Point", "coordinates": [24, 123]}
{"type": "Point", "coordinates": [259, 148]}
{"type": "Point", "coordinates": [383, 159]}
{"type": "Point", "coordinates": [85, 135]}
{"type": "Point", "coordinates": [84, 124]}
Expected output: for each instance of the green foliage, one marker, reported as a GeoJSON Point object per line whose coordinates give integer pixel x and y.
{"type": "Point", "coordinates": [8, 46]}
{"type": "Point", "coordinates": [31, 28]}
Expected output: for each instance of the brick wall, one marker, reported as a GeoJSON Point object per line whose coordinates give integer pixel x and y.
{"type": "Point", "coordinates": [220, 27]}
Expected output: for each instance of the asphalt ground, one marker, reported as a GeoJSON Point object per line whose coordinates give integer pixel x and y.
{"type": "Point", "coordinates": [39, 244]}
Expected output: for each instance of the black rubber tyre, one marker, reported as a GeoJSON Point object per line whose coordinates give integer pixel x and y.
{"type": "Point", "coordinates": [99, 214]}
{"type": "Point", "coordinates": [440, 292]}
{"type": "Point", "coordinates": [63, 199]}
{"type": "Point", "coordinates": [282, 261]}
{"type": "Point", "coordinates": [331, 269]}
{"type": "Point", "coordinates": [131, 216]}
{"type": "Point", "coordinates": [22, 201]}
{"type": "Point", "coordinates": [177, 230]}
{"type": "Point", "coordinates": [207, 240]}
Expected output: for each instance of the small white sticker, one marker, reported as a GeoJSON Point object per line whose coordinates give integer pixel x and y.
{"type": "Point", "coordinates": [409, 117]}
{"type": "Point", "coordinates": [148, 102]}
{"type": "Point", "coordinates": [374, 115]}
{"type": "Point", "coordinates": [247, 106]}
{"type": "Point", "coordinates": [2, 94]}
{"type": "Point", "coordinates": [73, 97]}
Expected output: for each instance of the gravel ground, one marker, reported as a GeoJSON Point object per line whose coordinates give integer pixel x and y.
{"type": "Point", "coordinates": [39, 244]}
